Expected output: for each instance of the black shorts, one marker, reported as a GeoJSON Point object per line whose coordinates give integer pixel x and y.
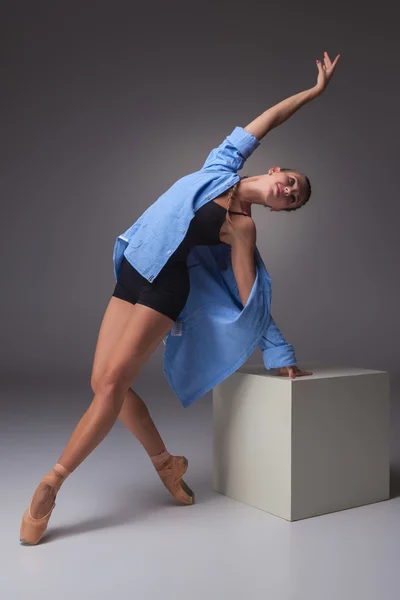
{"type": "Point", "coordinates": [167, 293]}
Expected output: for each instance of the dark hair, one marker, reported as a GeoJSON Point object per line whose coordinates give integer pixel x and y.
{"type": "Point", "coordinates": [308, 191]}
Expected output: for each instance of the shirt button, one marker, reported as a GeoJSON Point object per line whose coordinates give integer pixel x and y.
{"type": "Point", "coordinates": [169, 252]}
{"type": "Point", "coordinates": [183, 230]}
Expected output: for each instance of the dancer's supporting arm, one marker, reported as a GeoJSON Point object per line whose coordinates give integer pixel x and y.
{"type": "Point", "coordinates": [243, 243]}
{"type": "Point", "coordinates": [278, 114]}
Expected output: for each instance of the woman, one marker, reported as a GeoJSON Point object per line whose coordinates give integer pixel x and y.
{"type": "Point", "coordinates": [148, 299]}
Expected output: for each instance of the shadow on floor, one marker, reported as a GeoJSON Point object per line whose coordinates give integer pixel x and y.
{"type": "Point", "coordinates": [136, 505]}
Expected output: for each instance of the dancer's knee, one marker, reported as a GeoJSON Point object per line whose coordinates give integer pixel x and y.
{"type": "Point", "coordinates": [111, 388]}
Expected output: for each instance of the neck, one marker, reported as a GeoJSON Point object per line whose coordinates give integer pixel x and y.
{"type": "Point", "coordinates": [249, 192]}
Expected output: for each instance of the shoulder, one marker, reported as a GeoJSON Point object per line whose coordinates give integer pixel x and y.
{"type": "Point", "coordinates": [242, 232]}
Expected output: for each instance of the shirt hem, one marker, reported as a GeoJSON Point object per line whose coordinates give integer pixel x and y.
{"type": "Point", "coordinates": [187, 401]}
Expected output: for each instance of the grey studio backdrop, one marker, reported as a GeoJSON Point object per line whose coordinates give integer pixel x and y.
{"type": "Point", "coordinates": [106, 104]}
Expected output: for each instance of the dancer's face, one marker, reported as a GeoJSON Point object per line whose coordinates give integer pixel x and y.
{"type": "Point", "coordinates": [282, 189]}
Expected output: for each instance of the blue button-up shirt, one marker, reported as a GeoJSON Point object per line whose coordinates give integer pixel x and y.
{"type": "Point", "coordinates": [214, 334]}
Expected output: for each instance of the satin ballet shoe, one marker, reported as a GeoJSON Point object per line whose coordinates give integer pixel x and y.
{"type": "Point", "coordinates": [170, 470]}
{"type": "Point", "coordinates": [32, 529]}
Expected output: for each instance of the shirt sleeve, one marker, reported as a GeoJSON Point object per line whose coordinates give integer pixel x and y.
{"type": "Point", "coordinates": [276, 352]}
{"type": "Point", "coordinates": [232, 153]}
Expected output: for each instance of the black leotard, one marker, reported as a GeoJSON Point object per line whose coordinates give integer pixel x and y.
{"type": "Point", "coordinates": [168, 292]}
{"type": "Point", "coordinates": [204, 229]}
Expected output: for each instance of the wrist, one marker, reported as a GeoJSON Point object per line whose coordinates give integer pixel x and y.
{"type": "Point", "coordinates": [316, 91]}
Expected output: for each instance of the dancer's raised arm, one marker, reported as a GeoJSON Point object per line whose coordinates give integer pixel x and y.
{"type": "Point", "coordinates": [279, 113]}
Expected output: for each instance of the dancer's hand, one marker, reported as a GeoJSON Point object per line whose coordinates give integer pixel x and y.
{"type": "Point", "coordinates": [293, 372]}
{"type": "Point", "coordinates": [325, 72]}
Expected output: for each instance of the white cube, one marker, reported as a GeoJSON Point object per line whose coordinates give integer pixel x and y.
{"type": "Point", "coordinates": [304, 447]}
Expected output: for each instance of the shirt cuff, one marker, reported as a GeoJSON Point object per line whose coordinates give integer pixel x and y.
{"type": "Point", "coordinates": [244, 141]}
{"type": "Point", "coordinates": [281, 356]}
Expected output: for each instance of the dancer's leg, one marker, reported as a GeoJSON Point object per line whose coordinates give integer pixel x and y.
{"type": "Point", "coordinates": [135, 415]}
{"type": "Point", "coordinates": [143, 332]}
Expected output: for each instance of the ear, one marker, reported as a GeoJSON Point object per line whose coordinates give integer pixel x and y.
{"type": "Point", "coordinates": [274, 170]}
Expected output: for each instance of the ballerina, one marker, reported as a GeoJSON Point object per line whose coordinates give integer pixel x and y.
{"type": "Point", "coordinates": [209, 207]}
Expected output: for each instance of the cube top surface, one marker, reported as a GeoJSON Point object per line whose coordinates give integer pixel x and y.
{"type": "Point", "coordinates": [318, 371]}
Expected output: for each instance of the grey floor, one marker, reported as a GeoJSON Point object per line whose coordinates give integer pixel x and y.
{"type": "Point", "coordinates": [116, 532]}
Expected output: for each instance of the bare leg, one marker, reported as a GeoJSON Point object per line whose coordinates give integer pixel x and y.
{"type": "Point", "coordinates": [93, 426]}
{"type": "Point", "coordinates": [92, 429]}
{"type": "Point", "coordinates": [87, 435]}
{"type": "Point", "coordinates": [143, 332]}
{"type": "Point", "coordinates": [140, 331]}
{"type": "Point", "coordinates": [135, 415]}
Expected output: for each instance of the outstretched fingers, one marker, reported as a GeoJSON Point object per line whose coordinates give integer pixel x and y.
{"type": "Point", "coordinates": [328, 65]}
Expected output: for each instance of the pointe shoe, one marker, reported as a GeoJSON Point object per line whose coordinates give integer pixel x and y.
{"type": "Point", "coordinates": [32, 529]}
{"type": "Point", "coordinates": [170, 469]}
